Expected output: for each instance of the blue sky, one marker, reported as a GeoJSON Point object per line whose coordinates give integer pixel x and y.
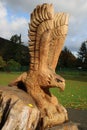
{"type": "Point", "coordinates": [15, 15]}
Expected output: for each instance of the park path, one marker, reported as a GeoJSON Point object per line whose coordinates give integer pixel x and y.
{"type": "Point", "coordinates": [78, 116]}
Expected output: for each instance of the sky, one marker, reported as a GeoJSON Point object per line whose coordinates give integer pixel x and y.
{"type": "Point", "coordinates": [15, 16]}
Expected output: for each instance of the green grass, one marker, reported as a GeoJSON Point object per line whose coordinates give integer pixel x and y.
{"type": "Point", "coordinates": [6, 78]}
{"type": "Point", "coordinates": [75, 94]}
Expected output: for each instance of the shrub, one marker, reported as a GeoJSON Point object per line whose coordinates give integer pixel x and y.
{"type": "Point", "coordinates": [12, 65]}
{"type": "Point", "coordinates": [2, 63]}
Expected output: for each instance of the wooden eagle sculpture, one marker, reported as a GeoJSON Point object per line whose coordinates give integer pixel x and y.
{"type": "Point", "coordinates": [47, 33]}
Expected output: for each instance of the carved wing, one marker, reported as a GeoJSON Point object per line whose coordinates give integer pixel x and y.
{"type": "Point", "coordinates": [40, 27]}
{"type": "Point", "coordinates": [58, 36]}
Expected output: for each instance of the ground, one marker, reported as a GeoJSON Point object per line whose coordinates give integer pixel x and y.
{"type": "Point", "coordinates": [79, 117]}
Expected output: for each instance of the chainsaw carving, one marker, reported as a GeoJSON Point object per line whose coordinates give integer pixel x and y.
{"type": "Point", "coordinates": [47, 32]}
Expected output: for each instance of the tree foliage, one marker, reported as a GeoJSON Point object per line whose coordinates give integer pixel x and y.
{"type": "Point", "coordinates": [13, 65]}
{"type": "Point", "coordinates": [2, 63]}
{"type": "Point", "coordinates": [16, 39]}
{"type": "Point", "coordinates": [18, 52]}
{"type": "Point", "coordinates": [82, 55]}
{"type": "Point", "coordinates": [82, 51]}
{"type": "Point", "coordinates": [67, 59]}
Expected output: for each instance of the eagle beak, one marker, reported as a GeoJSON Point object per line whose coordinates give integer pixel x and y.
{"type": "Point", "coordinates": [60, 82]}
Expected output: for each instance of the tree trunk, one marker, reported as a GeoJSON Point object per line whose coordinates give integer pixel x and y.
{"type": "Point", "coordinates": [17, 110]}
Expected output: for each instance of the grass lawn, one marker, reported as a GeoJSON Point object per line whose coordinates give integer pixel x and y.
{"type": "Point", "coordinates": [75, 94]}
{"type": "Point", "coordinates": [6, 78]}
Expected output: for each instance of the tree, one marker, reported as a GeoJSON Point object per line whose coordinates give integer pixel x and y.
{"type": "Point", "coordinates": [16, 51]}
{"type": "Point", "coordinates": [82, 55]}
{"type": "Point", "coordinates": [13, 65]}
{"type": "Point", "coordinates": [16, 39]}
{"type": "Point", "coordinates": [82, 51]}
{"type": "Point", "coordinates": [66, 59]}
{"type": "Point", "coordinates": [2, 63]}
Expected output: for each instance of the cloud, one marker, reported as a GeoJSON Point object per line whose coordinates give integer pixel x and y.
{"type": "Point", "coordinates": [16, 25]}
{"type": "Point", "coordinates": [3, 11]}
{"type": "Point", "coordinates": [77, 22]}
{"type": "Point", "coordinates": [74, 7]}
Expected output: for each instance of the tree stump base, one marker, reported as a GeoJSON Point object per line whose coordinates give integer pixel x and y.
{"type": "Point", "coordinates": [17, 110]}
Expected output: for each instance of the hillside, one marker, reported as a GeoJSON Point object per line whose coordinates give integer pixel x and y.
{"type": "Point", "coordinates": [3, 45]}
{"type": "Point", "coordinates": [10, 50]}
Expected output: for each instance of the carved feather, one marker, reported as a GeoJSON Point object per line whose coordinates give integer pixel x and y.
{"type": "Point", "coordinates": [40, 24]}
{"type": "Point", "coordinates": [58, 36]}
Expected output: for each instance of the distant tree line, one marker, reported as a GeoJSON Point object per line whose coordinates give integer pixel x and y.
{"type": "Point", "coordinates": [68, 60]}
{"type": "Point", "coordinates": [82, 56]}
{"type": "Point", "coordinates": [15, 56]}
